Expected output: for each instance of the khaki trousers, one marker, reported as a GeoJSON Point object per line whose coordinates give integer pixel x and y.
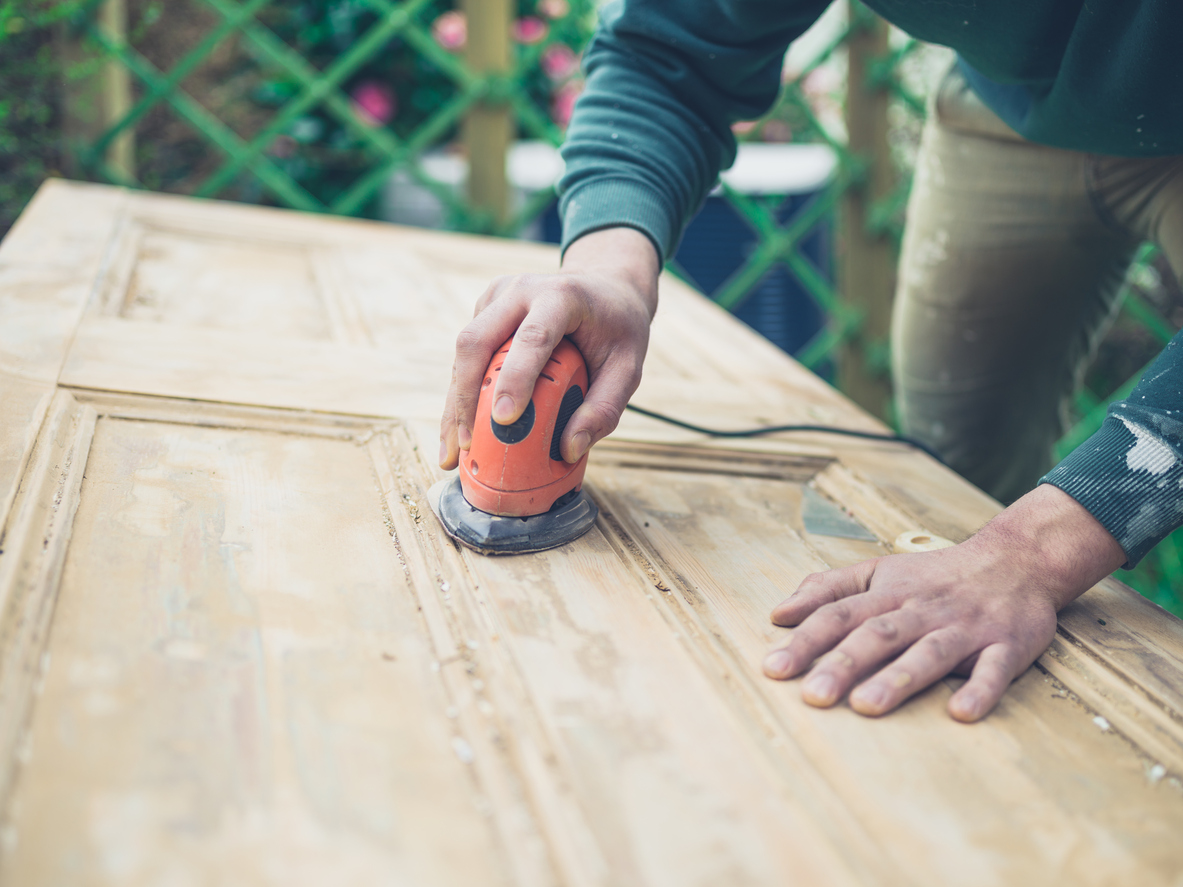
{"type": "Point", "coordinates": [1012, 261]}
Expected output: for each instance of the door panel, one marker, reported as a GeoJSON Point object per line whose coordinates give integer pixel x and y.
{"type": "Point", "coordinates": [225, 284]}
{"type": "Point", "coordinates": [235, 645]}
{"type": "Point", "coordinates": [238, 678]}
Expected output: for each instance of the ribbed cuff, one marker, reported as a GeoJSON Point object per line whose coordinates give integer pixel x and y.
{"type": "Point", "coordinates": [1130, 480]}
{"type": "Point", "coordinates": [618, 203]}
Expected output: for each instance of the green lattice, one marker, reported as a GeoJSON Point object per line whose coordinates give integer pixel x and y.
{"type": "Point", "coordinates": [782, 243]}
{"type": "Point", "coordinates": [323, 89]}
{"type": "Point", "coordinates": [386, 152]}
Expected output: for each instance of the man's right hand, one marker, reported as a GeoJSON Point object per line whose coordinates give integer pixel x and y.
{"type": "Point", "coordinates": [603, 297]}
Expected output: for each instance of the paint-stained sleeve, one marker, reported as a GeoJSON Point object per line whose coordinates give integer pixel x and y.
{"type": "Point", "coordinates": [1129, 475]}
{"type": "Point", "coordinates": [665, 81]}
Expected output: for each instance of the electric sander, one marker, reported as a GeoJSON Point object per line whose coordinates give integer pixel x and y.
{"type": "Point", "coordinates": [514, 494]}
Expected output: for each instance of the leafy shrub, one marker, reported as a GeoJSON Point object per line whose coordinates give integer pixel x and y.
{"type": "Point", "coordinates": [401, 88]}
{"type": "Point", "coordinates": [30, 129]}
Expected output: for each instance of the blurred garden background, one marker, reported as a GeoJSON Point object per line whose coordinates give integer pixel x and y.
{"type": "Point", "coordinates": [448, 114]}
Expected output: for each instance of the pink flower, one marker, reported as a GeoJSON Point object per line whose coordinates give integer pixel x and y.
{"type": "Point", "coordinates": [450, 30]}
{"type": "Point", "coordinates": [375, 103]}
{"type": "Point", "coordinates": [776, 131]}
{"type": "Point", "coordinates": [563, 105]}
{"type": "Point", "coordinates": [283, 146]}
{"type": "Point", "coordinates": [559, 61]}
{"type": "Point", "coordinates": [530, 29]}
{"type": "Point", "coordinates": [554, 8]}
{"type": "Point", "coordinates": [743, 127]}
{"type": "Point", "coordinates": [821, 81]}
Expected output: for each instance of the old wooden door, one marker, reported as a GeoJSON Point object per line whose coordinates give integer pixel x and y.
{"type": "Point", "coordinates": [237, 649]}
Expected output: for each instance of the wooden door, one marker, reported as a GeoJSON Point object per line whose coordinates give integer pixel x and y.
{"type": "Point", "coordinates": [237, 648]}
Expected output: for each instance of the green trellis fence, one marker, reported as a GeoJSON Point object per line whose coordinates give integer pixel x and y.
{"type": "Point", "coordinates": [491, 80]}
{"type": "Point", "coordinates": [490, 91]}
{"type": "Point", "coordinates": [320, 89]}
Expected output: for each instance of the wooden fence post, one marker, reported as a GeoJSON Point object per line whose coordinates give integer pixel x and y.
{"type": "Point", "coordinates": [867, 259]}
{"type": "Point", "coordinates": [488, 128]}
{"type": "Point", "coordinates": [96, 93]}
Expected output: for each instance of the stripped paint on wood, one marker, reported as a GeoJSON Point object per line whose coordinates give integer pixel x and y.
{"type": "Point", "coordinates": [235, 645]}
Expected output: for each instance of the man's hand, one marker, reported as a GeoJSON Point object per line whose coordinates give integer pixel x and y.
{"type": "Point", "coordinates": [604, 298]}
{"type": "Point", "coordinates": [986, 608]}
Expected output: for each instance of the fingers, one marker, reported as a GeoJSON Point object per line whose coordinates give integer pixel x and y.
{"type": "Point", "coordinates": [929, 659]}
{"type": "Point", "coordinates": [611, 388]}
{"type": "Point", "coordinates": [820, 632]}
{"type": "Point", "coordinates": [909, 620]}
{"type": "Point", "coordinates": [865, 649]}
{"type": "Point", "coordinates": [819, 589]}
{"type": "Point", "coordinates": [474, 349]}
{"type": "Point", "coordinates": [533, 343]}
{"type": "Point", "coordinates": [996, 667]}
{"type": "Point", "coordinates": [605, 314]}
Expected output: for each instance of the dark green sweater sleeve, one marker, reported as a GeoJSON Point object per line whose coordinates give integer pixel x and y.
{"type": "Point", "coordinates": [665, 81]}
{"type": "Point", "coordinates": [1129, 475]}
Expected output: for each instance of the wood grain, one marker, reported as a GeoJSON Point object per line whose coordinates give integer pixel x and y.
{"type": "Point", "coordinates": [727, 566]}
{"type": "Point", "coordinates": [241, 650]}
{"type": "Point", "coordinates": [242, 677]}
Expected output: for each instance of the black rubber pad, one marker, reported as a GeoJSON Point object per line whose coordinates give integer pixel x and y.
{"type": "Point", "coordinates": [572, 400]}
{"type": "Point", "coordinates": [493, 534]}
{"type": "Point", "coordinates": [517, 431]}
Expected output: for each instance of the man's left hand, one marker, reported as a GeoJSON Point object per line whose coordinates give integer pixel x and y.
{"type": "Point", "coordinates": [986, 608]}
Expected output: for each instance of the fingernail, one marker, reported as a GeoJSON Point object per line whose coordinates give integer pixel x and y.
{"type": "Point", "coordinates": [781, 613]}
{"type": "Point", "coordinates": [869, 696]}
{"type": "Point", "coordinates": [968, 708]}
{"type": "Point", "coordinates": [503, 409]}
{"type": "Point", "coordinates": [820, 690]}
{"type": "Point", "coordinates": [776, 663]}
{"type": "Point", "coordinates": [443, 451]}
{"type": "Point", "coordinates": [579, 445]}
{"type": "Point", "coordinates": [463, 437]}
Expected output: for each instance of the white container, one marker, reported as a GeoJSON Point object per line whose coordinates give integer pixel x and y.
{"type": "Point", "coordinates": [534, 166]}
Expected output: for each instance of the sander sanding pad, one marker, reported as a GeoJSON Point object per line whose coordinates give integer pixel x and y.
{"type": "Point", "coordinates": [495, 534]}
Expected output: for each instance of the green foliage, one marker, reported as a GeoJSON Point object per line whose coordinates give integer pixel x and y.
{"type": "Point", "coordinates": [313, 103]}
{"type": "Point", "coordinates": [24, 16]}
{"type": "Point", "coordinates": [1160, 575]}
{"type": "Point", "coordinates": [29, 127]}
{"type": "Point", "coordinates": [404, 85]}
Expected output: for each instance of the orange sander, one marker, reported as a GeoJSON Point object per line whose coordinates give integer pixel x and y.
{"type": "Point", "coordinates": [514, 493]}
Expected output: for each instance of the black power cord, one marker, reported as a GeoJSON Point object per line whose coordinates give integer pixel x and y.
{"type": "Point", "coordinates": [777, 429]}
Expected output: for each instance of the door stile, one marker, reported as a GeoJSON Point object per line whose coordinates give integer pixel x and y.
{"type": "Point", "coordinates": [33, 549]}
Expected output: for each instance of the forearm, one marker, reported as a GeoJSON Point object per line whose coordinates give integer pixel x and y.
{"type": "Point", "coordinates": [1129, 475]}
{"type": "Point", "coordinates": [624, 254]}
{"type": "Point", "coordinates": [665, 82]}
